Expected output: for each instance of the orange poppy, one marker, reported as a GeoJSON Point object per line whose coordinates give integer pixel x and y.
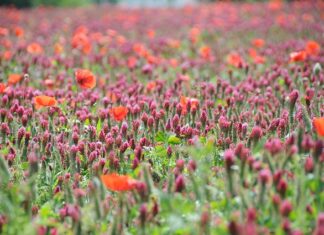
{"type": "Point", "coordinates": [19, 32]}
{"type": "Point", "coordinates": [312, 48]}
{"type": "Point", "coordinates": [44, 101]}
{"type": "Point", "coordinates": [14, 78]}
{"type": "Point", "coordinates": [131, 62]}
{"type": "Point", "coordinates": [150, 86]}
{"type": "Point", "coordinates": [81, 41]}
{"type": "Point", "coordinates": [6, 55]}
{"type": "Point", "coordinates": [205, 52]}
{"type": "Point", "coordinates": [58, 48]}
{"type": "Point", "coordinates": [173, 62]}
{"type": "Point", "coordinates": [319, 125]}
{"type": "Point", "coordinates": [2, 88]}
{"type": "Point", "coordinates": [258, 42]}
{"type": "Point", "coordinates": [111, 96]}
{"type": "Point", "coordinates": [235, 59]}
{"type": "Point", "coordinates": [194, 34]}
{"type": "Point", "coordinates": [85, 78]}
{"type": "Point", "coordinates": [298, 56]}
{"type": "Point", "coordinates": [115, 182]}
{"type": "Point", "coordinates": [194, 103]}
{"type": "Point", "coordinates": [256, 58]}
{"type": "Point", "coordinates": [119, 113]}
{"type": "Point", "coordinates": [151, 33]}
{"type": "Point", "coordinates": [34, 48]}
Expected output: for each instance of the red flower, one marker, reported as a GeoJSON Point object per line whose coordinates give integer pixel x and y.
{"type": "Point", "coordinates": [235, 60]}
{"type": "Point", "coordinates": [85, 78]}
{"type": "Point", "coordinates": [258, 42]}
{"type": "Point", "coordinates": [312, 48]}
{"type": "Point", "coordinates": [44, 101]}
{"type": "Point", "coordinates": [2, 88]}
{"type": "Point", "coordinates": [34, 48]}
{"type": "Point", "coordinates": [150, 86]}
{"type": "Point", "coordinates": [319, 125]}
{"type": "Point", "coordinates": [298, 56]}
{"type": "Point", "coordinates": [194, 103]}
{"type": "Point", "coordinates": [205, 52]}
{"type": "Point", "coordinates": [117, 182]}
{"type": "Point", "coordinates": [14, 78]}
{"type": "Point", "coordinates": [19, 32]}
{"type": "Point", "coordinates": [119, 113]}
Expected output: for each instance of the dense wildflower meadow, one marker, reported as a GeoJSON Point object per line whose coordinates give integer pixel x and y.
{"type": "Point", "coordinates": [206, 119]}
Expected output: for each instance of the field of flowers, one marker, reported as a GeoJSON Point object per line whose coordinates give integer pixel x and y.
{"type": "Point", "coordinates": [198, 120]}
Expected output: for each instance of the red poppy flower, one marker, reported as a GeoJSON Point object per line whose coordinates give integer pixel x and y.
{"type": "Point", "coordinates": [14, 78]}
{"type": "Point", "coordinates": [194, 103]}
{"type": "Point", "coordinates": [131, 62]}
{"type": "Point", "coordinates": [111, 96]}
{"type": "Point", "coordinates": [85, 78]}
{"type": "Point", "coordinates": [58, 48]}
{"type": "Point", "coordinates": [119, 113]}
{"type": "Point", "coordinates": [298, 56]}
{"type": "Point", "coordinates": [312, 48]}
{"type": "Point", "coordinates": [150, 86]}
{"type": "Point", "coordinates": [117, 182]}
{"type": "Point", "coordinates": [19, 32]}
{"type": "Point", "coordinates": [34, 48]}
{"type": "Point", "coordinates": [2, 88]}
{"type": "Point", "coordinates": [205, 52]}
{"type": "Point", "coordinates": [44, 101]}
{"type": "Point", "coordinates": [235, 60]}
{"type": "Point", "coordinates": [319, 125]}
{"type": "Point", "coordinates": [258, 42]}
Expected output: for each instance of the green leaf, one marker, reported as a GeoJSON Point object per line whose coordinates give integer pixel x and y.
{"type": "Point", "coordinates": [161, 137]}
{"type": "Point", "coordinates": [99, 124]}
{"type": "Point", "coordinates": [174, 140]}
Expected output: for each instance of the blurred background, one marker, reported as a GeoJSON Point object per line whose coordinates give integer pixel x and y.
{"type": "Point", "coordinates": [131, 3]}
